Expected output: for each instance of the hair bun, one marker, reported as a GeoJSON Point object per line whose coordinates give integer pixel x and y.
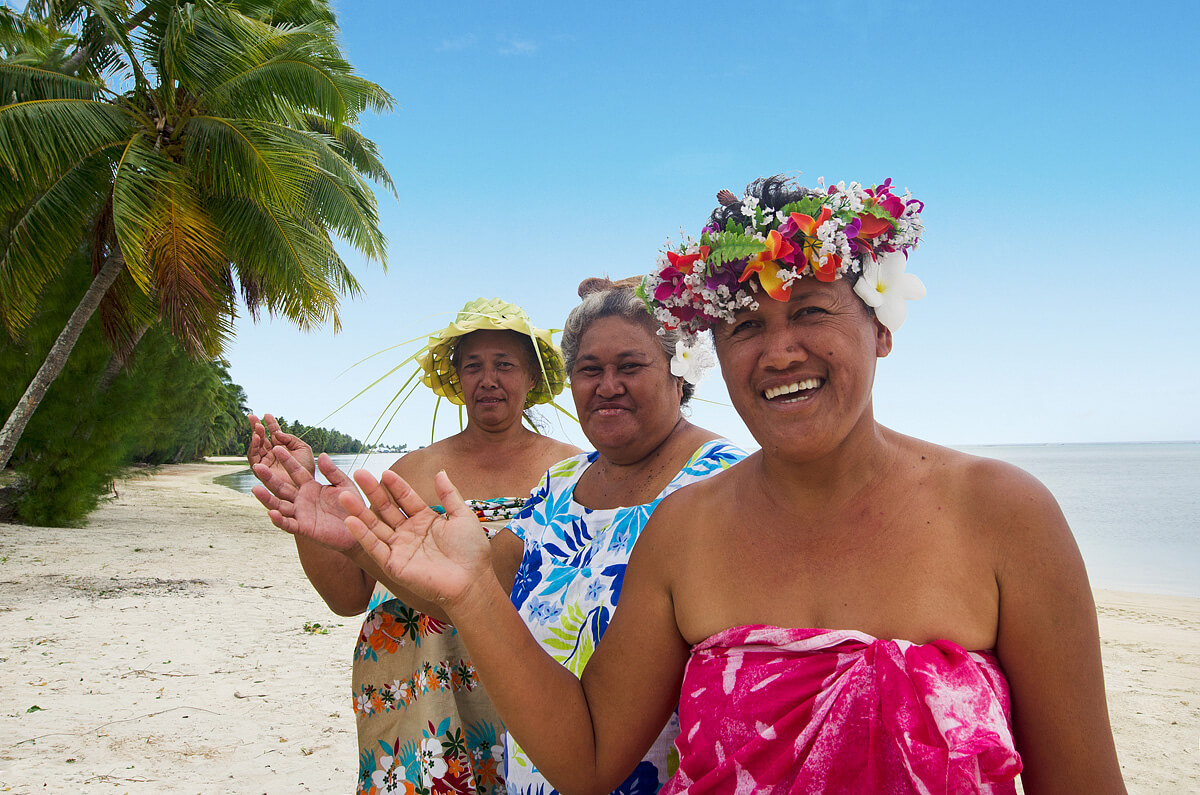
{"type": "Point", "coordinates": [602, 284]}
{"type": "Point", "coordinates": [594, 284]}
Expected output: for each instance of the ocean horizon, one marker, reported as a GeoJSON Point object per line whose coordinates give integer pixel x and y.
{"type": "Point", "coordinates": [1131, 505]}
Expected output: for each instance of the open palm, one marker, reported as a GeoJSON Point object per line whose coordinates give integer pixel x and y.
{"type": "Point", "coordinates": [297, 503]}
{"type": "Point", "coordinates": [439, 558]}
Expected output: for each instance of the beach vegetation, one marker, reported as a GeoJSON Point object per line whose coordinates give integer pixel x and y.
{"type": "Point", "coordinates": [201, 156]}
{"type": "Point", "coordinates": [164, 406]}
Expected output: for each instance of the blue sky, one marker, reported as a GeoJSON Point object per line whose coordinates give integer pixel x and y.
{"type": "Point", "coordinates": [535, 144]}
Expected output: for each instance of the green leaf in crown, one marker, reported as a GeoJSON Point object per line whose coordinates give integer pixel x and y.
{"type": "Point", "coordinates": [731, 246]}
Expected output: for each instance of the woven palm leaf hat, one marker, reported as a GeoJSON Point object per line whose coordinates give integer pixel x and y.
{"type": "Point", "coordinates": [436, 360]}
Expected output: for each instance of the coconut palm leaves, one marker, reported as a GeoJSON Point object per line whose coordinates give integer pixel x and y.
{"type": "Point", "coordinates": [206, 147]}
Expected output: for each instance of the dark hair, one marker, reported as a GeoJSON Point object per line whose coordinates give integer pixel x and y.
{"type": "Point", "coordinates": [604, 298]}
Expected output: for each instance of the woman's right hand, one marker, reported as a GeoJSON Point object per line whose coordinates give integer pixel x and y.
{"type": "Point", "coordinates": [440, 558]}
{"type": "Point", "coordinates": [300, 505]}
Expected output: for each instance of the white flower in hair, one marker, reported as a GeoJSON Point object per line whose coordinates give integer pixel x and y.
{"type": "Point", "coordinates": [884, 286]}
{"type": "Point", "coordinates": [691, 362]}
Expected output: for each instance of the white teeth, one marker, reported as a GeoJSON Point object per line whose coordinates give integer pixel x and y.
{"type": "Point", "coordinates": [787, 389]}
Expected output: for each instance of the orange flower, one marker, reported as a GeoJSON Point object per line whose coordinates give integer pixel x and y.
{"type": "Point", "coordinates": [872, 226]}
{"type": "Point", "coordinates": [767, 269]}
{"type": "Point", "coordinates": [684, 263]}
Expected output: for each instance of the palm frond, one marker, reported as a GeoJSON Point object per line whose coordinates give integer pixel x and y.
{"type": "Point", "coordinates": [39, 238]}
{"type": "Point", "coordinates": [142, 179]}
{"type": "Point", "coordinates": [236, 158]}
{"type": "Point", "coordinates": [338, 197]}
{"type": "Point", "coordinates": [42, 138]}
{"type": "Point", "coordinates": [268, 70]}
{"type": "Point", "coordinates": [354, 147]}
{"type": "Point", "coordinates": [286, 12]}
{"type": "Point", "coordinates": [19, 83]}
{"type": "Point", "coordinates": [188, 266]}
{"type": "Point", "coordinates": [292, 265]}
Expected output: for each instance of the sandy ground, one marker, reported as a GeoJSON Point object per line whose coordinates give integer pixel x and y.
{"type": "Point", "coordinates": [170, 646]}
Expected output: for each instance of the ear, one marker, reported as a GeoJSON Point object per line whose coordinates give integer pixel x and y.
{"type": "Point", "coordinates": [883, 340]}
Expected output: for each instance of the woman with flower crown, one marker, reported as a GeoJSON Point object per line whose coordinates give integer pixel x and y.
{"type": "Point", "coordinates": [570, 544]}
{"type": "Point", "coordinates": [848, 609]}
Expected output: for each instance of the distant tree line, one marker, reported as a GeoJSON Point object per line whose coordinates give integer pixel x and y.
{"type": "Point", "coordinates": [323, 440]}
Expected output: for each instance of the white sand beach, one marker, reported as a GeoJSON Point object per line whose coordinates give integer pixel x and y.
{"type": "Point", "coordinates": [164, 648]}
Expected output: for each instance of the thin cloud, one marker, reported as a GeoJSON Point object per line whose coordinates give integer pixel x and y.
{"type": "Point", "coordinates": [514, 46]}
{"type": "Point", "coordinates": [458, 44]}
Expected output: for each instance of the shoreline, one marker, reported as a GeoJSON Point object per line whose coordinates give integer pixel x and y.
{"type": "Point", "coordinates": [171, 645]}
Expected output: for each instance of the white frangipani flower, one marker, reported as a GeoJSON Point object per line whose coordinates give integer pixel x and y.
{"type": "Point", "coordinates": [691, 362]}
{"type": "Point", "coordinates": [884, 286]}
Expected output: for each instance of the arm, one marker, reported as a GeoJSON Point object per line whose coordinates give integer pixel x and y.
{"type": "Point", "coordinates": [335, 564]}
{"type": "Point", "coordinates": [584, 736]}
{"type": "Point", "coordinates": [1048, 643]}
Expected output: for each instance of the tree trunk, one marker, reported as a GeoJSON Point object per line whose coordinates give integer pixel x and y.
{"type": "Point", "coordinates": [57, 357]}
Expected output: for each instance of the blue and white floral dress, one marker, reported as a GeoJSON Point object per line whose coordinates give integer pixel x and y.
{"type": "Point", "coordinates": [570, 581]}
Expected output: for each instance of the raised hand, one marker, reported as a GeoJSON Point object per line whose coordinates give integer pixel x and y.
{"type": "Point", "coordinates": [439, 558]}
{"type": "Point", "coordinates": [297, 503]}
{"type": "Point", "coordinates": [260, 451]}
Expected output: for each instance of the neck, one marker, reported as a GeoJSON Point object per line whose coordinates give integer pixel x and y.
{"type": "Point", "coordinates": [477, 435]}
{"type": "Point", "coordinates": [632, 459]}
{"type": "Point", "coordinates": [831, 478]}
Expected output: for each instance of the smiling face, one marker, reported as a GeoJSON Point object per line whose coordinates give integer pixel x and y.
{"type": "Point", "coordinates": [496, 376]}
{"type": "Point", "coordinates": [800, 372]}
{"type": "Point", "coordinates": [625, 396]}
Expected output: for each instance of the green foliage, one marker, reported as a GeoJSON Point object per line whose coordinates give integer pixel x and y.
{"type": "Point", "coordinates": [323, 440]}
{"type": "Point", "coordinates": [730, 246]}
{"type": "Point", "coordinates": [166, 408]}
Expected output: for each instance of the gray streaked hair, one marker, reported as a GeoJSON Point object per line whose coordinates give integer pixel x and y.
{"type": "Point", "coordinates": [604, 298]}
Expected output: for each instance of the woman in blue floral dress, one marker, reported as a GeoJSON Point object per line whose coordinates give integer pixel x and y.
{"type": "Point", "coordinates": [575, 535]}
{"type": "Point", "coordinates": [564, 556]}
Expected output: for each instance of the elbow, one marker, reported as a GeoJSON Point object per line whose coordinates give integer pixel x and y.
{"type": "Point", "coordinates": [346, 610]}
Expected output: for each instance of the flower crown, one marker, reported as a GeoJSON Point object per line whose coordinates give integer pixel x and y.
{"type": "Point", "coordinates": [826, 235]}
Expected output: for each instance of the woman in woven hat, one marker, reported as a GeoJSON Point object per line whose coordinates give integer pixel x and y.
{"type": "Point", "coordinates": [421, 717]}
{"type": "Point", "coordinates": [849, 610]}
{"type": "Point", "coordinates": [570, 545]}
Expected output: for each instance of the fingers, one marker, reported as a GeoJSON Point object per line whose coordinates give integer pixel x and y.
{"type": "Point", "coordinates": [403, 494]}
{"type": "Point", "coordinates": [382, 500]}
{"type": "Point", "coordinates": [300, 475]}
{"type": "Point", "coordinates": [283, 523]}
{"type": "Point", "coordinates": [273, 503]}
{"type": "Point", "coordinates": [368, 518]}
{"type": "Point", "coordinates": [374, 546]}
{"type": "Point", "coordinates": [272, 424]}
{"type": "Point", "coordinates": [452, 501]}
{"type": "Point", "coordinates": [258, 441]}
{"type": "Point", "coordinates": [277, 485]}
{"type": "Point", "coordinates": [335, 476]}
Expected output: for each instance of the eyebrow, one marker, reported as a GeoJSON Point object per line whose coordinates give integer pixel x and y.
{"type": "Point", "coordinates": [629, 354]}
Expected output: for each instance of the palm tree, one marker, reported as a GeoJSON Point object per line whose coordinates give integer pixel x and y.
{"type": "Point", "coordinates": [205, 151]}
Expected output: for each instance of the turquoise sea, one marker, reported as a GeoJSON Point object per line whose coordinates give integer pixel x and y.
{"type": "Point", "coordinates": [1134, 508]}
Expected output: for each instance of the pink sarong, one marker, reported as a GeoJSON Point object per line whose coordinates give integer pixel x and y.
{"type": "Point", "coordinates": [765, 709]}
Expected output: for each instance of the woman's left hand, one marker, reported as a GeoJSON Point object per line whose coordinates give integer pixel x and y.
{"type": "Point", "coordinates": [440, 558]}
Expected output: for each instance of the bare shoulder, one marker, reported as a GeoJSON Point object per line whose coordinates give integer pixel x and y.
{"type": "Point", "coordinates": [710, 498]}
{"type": "Point", "coordinates": [991, 495]}
{"type": "Point", "coordinates": [418, 468]}
{"type": "Point", "coordinates": [550, 451]}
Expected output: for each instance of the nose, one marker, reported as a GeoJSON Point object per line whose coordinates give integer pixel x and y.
{"type": "Point", "coordinates": [782, 349]}
{"type": "Point", "coordinates": [610, 383]}
{"type": "Point", "coordinates": [490, 377]}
